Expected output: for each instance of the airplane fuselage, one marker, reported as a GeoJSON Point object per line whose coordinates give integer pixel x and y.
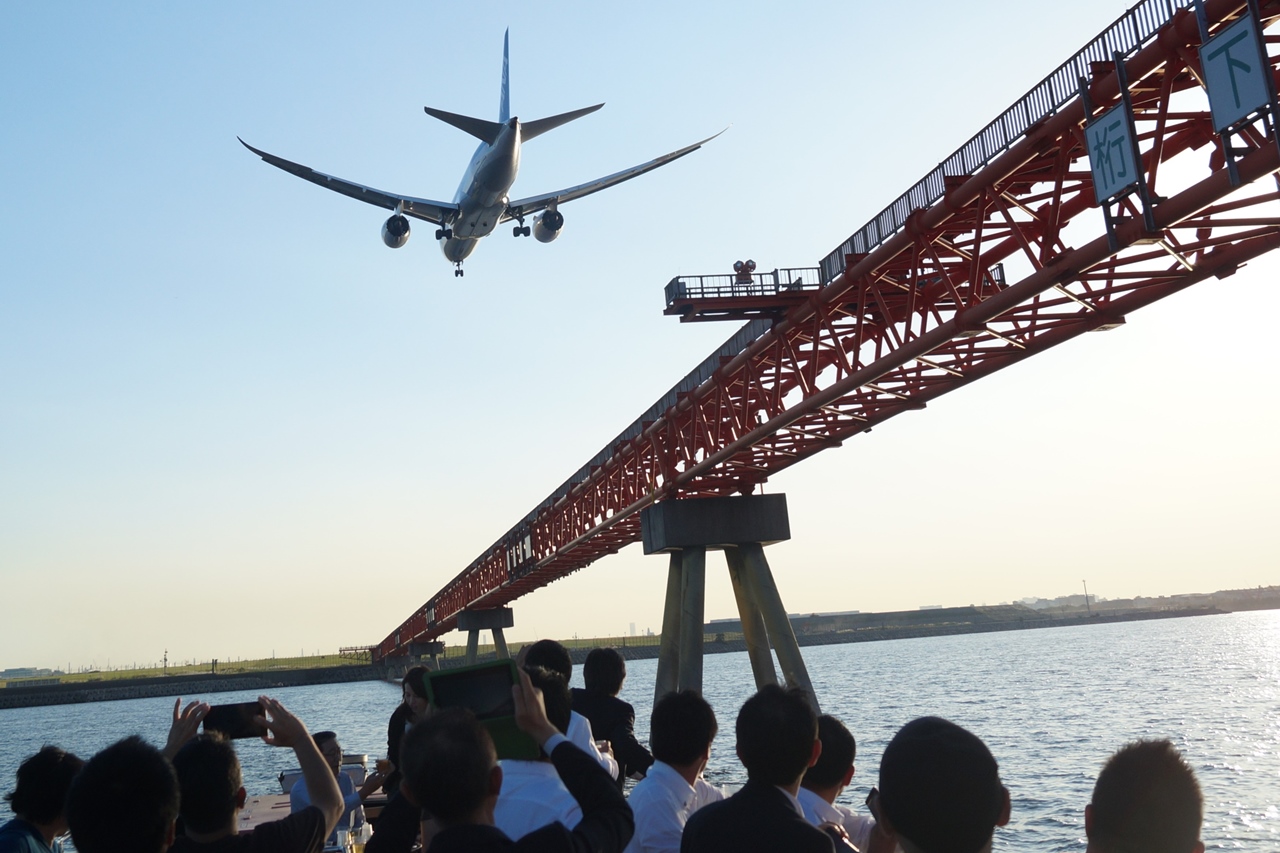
{"type": "Point", "coordinates": [483, 192]}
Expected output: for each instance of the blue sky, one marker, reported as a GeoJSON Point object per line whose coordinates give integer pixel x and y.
{"type": "Point", "coordinates": [233, 422]}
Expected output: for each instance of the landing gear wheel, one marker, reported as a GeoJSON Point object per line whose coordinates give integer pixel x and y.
{"type": "Point", "coordinates": [517, 231]}
{"type": "Point", "coordinates": [526, 231]}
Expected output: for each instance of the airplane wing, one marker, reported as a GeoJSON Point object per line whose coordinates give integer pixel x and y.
{"type": "Point", "coordinates": [419, 208]}
{"type": "Point", "coordinates": [532, 204]}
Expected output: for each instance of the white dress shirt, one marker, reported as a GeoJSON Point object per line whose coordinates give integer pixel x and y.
{"type": "Point", "coordinates": [533, 796]}
{"type": "Point", "coordinates": [662, 801]}
{"type": "Point", "coordinates": [580, 735]}
{"type": "Point", "coordinates": [818, 811]}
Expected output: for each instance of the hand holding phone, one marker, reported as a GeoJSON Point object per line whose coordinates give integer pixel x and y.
{"type": "Point", "coordinates": [531, 711]}
{"type": "Point", "coordinates": [186, 722]}
{"type": "Point", "coordinates": [281, 727]}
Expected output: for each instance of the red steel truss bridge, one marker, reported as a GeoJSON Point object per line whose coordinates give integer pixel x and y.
{"type": "Point", "coordinates": [996, 255]}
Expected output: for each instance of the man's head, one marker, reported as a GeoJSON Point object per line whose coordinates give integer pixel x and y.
{"type": "Point", "coordinates": [209, 776]}
{"type": "Point", "coordinates": [940, 788]}
{"type": "Point", "coordinates": [555, 694]}
{"type": "Point", "coordinates": [682, 728]}
{"type": "Point", "coordinates": [550, 655]}
{"type": "Point", "coordinates": [124, 800]}
{"type": "Point", "coordinates": [450, 766]}
{"type": "Point", "coordinates": [43, 781]}
{"type": "Point", "coordinates": [604, 671]}
{"type": "Point", "coordinates": [777, 734]}
{"type": "Point", "coordinates": [834, 767]}
{"type": "Point", "coordinates": [1146, 799]}
{"type": "Point", "coordinates": [327, 743]}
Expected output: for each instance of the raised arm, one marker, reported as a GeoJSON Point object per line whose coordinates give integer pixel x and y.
{"type": "Point", "coordinates": [607, 823]}
{"type": "Point", "coordinates": [284, 729]}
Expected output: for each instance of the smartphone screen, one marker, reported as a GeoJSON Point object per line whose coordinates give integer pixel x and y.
{"type": "Point", "coordinates": [235, 721]}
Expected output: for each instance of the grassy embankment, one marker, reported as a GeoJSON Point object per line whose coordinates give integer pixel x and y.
{"type": "Point", "coordinates": [307, 662]}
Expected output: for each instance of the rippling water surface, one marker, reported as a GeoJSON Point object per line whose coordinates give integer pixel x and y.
{"type": "Point", "coordinates": [1052, 705]}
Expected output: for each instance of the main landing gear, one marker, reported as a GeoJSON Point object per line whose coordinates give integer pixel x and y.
{"type": "Point", "coordinates": [444, 233]}
{"type": "Point", "coordinates": [457, 268]}
{"type": "Point", "coordinates": [520, 230]}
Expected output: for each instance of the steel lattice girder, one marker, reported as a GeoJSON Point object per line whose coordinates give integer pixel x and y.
{"type": "Point", "coordinates": [922, 314]}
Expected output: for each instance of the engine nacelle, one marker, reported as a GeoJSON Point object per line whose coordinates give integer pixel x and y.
{"type": "Point", "coordinates": [395, 231]}
{"type": "Point", "coordinates": [547, 225]}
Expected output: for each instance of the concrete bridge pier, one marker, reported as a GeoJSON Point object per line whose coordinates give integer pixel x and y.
{"type": "Point", "coordinates": [431, 649]}
{"type": "Point", "coordinates": [475, 621]}
{"type": "Point", "coordinates": [740, 526]}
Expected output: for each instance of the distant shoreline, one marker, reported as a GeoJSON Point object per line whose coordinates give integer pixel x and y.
{"type": "Point", "coordinates": [16, 696]}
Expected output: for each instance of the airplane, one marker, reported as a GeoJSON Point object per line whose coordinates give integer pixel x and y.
{"type": "Point", "coordinates": [481, 203]}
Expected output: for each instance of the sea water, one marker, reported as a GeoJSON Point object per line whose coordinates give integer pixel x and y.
{"type": "Point", "coordinates": [1051, 704]}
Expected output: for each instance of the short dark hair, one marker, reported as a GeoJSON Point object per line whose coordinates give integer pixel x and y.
{"type": "Point", "coordinates": [603, 671]}
{"type": "Point", "coordinates": [552, 656]}
{"type": "Point", "coordinates": [681, 728]}
{"type": "Point", "coordinates": [940, 786]}
{"type": "Point", "coordinates": [776, 729]}
{"type": "Point", "coordinates": [446, 760]}
{"type": "Point", "coordinates": [124, 800]}
{"type": "Point", "coordinates": [209, 776]}
{"type": "Point", "coordinates": [1147, 799]}
{"type": "Point", "coordinates": [555, 695]}
{"type": "Point", "coordinates": [321, 738]}
{"type": "Point", "coordinates": [414, 678]}
{"type": "Point", "coordinates": [838, 751]}
{"type": "Point", "coordinates": [43, 782]}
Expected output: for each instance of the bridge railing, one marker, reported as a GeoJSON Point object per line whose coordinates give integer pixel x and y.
{"type": "Point", "coordinates": [1133, 29]}
{"type": "Point", "coordinates": [743, 284]}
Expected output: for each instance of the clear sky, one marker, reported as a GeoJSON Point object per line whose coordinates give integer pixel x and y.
{"type": "Point", "coordinates": [233, 423]}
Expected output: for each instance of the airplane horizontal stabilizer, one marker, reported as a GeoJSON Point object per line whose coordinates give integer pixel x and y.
{"type": "Point", "coordinates": [485, 131]}
{"type": "Point", "coordinates": [530, 129]}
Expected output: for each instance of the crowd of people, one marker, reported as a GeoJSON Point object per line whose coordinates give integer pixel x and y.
{"type": "Point", "coordinates": [939, 788]}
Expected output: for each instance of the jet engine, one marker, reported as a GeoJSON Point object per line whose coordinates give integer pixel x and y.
{"type": "Point", "coordinates": [395, 231]}
{"type": "Point", "coordinates": [547, 225]}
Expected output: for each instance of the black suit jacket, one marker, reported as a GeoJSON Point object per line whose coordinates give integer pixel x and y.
{"type": "Point", "coordinates": [757, 818]}
{"type": "Point", "coordinates": [614, 720]}
{"type": "Point", "coordinates": [606, 826]}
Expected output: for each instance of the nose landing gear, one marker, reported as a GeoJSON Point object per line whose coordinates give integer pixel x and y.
{"type": "Point", "coordinates": [457, 268]}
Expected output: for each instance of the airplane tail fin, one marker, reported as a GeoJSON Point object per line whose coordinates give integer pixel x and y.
{"type": "Point", "coordinates": [530, 129]}
{"type": "Point", "coordinates": [504, 102]}
{"type": "Point", "coordinates": [485, 131]}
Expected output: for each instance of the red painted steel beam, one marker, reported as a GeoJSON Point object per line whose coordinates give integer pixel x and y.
{"type": "Point", "coordinates": [920, 313]}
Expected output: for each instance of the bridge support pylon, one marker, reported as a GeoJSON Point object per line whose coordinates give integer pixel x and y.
{"type": "Point", "coordinates": [740, 526]}
{"type": "Point", "coordinates": [431, 649]}
{"type": "Point", "coordinates": [475, 621]}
